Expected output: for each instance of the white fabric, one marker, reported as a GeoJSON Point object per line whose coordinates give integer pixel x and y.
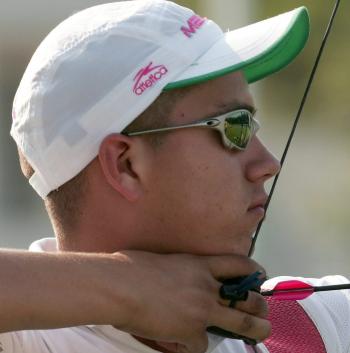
{"type": "Point", "coordinates": [87, 339]}
{"type": "Point", "coordinates": [241, 45]}
{"type": "Point", "coordinates": [329, 311]}
{"type": "Point", "coordinates": [80, 84]}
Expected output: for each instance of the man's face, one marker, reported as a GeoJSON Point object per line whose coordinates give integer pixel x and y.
{"type": "Point", "coordinates": [203, 198]}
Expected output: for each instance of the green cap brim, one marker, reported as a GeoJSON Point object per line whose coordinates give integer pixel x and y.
{"type": "Point", "coordinates": [285, 37]}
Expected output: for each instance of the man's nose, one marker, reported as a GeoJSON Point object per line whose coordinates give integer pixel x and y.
{"type": "Point", "coordinates": [261, 163]}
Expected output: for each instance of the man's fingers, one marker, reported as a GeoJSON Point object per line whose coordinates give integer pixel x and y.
{"type": "Point", "coordinates": [241, 323]}
{"type": "Point", "coordinates": [255, 305]}
{"type": "Point", "coordinates": [231, 266]}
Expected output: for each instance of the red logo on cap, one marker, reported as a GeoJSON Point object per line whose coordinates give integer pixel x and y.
{"type": "Point", "coordinates": [148, 76]}
{"type": "Point", "coordinates": [194, 23]}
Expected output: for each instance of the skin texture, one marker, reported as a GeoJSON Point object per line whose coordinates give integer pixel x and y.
{"type": "Point", "coordinates": [188, 195]}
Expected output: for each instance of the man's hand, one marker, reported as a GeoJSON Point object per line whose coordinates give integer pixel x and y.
{"type": "Point", "coordinates": [172, 299]}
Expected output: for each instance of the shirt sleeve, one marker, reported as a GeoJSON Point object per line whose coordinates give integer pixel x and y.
{"type": "Point", "coordinates": [10, 343]}
{"type": "Point", "coordinates": [29, 341]}
{"type": "Point", "coordinates": [329, 311]}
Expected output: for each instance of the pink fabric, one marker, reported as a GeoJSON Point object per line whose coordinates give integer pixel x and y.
{"type": "Point", "coordinates": [292, 329]}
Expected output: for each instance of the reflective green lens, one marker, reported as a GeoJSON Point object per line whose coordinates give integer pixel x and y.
{"type": "Point", "coordinates": [238, 128]}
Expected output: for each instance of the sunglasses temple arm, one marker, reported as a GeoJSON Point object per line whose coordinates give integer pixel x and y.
{"type": "Point", "coordinates": [206, 123]}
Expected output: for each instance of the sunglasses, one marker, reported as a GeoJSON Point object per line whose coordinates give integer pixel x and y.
{"type": "Point", "coordinates": [236, 128]}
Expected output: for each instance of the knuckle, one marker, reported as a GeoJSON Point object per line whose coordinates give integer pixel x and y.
{"type": "Point", "coordinates": [199, 315]}
{"type": "Point", "coordinates": [258, 304]}
{"type": "Point", "coordinates": [259, 330]}
{"type": "Point", "coordinates": [247, 324]}
{"type": "Point", "coordinates": [214, 288]}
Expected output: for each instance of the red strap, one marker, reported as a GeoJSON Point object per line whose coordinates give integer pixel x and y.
{"type": "Point", "coordinates": [292, 329]}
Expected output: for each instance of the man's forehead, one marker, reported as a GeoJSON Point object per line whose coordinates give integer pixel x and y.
{"type": "Point", "coordinates": [232, 94]}
{"type": "Point", "coordinates": [212, 98]}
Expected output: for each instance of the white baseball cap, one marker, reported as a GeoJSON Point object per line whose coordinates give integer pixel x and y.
{"type": "Point", "coordinates": [101, 68]}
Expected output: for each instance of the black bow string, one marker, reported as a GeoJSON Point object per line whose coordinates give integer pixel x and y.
{"type": "Point", "coordinates": [297, 118]}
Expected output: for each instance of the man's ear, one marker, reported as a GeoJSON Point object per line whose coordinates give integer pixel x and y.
{"type": "Point", "coordinates": [115, 156]}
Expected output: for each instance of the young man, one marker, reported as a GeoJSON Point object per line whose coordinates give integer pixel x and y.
{"type": "Point", "coordinates": [135, 124]}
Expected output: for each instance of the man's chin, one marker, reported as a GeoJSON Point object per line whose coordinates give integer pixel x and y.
{"type": "Point", "coordinates": [245, 250]}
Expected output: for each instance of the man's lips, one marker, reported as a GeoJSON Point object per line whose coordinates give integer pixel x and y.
{"type": "Point", "coordinates": [259, 203]}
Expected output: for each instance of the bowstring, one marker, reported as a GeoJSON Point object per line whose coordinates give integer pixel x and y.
{"type": "Point", "coordinates": [296, 120]}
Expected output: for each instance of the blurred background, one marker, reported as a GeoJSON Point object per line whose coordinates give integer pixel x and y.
{"type": "Point", "coordinates": [307, 227]}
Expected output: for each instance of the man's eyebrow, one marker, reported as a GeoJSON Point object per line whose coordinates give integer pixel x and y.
{"type": "Point", "coordinates": [229, 107]}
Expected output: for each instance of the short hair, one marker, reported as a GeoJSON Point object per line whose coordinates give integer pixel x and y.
{"type": "Point", "coordinates": [66, 204]}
